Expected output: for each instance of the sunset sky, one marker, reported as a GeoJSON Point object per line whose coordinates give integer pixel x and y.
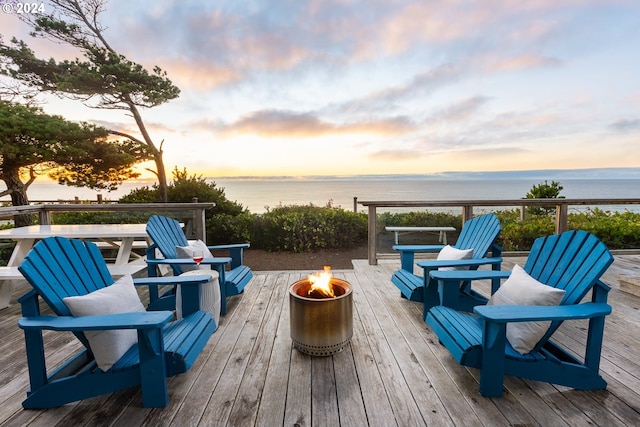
{"type": "Point", "coordinates": [348, 87]}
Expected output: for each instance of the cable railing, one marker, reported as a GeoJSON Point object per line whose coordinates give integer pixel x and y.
{"type": "Point", "coordinates": [467, 207]}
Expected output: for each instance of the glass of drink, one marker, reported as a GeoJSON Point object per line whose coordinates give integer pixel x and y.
{"type": "Point", "coordinates": [198, 256]}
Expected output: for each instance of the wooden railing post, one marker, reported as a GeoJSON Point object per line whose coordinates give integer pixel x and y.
{"type": "Point", "coordinates": [467, 213]}
{"type": "Point", "coordinates": [199, 223]}
{"type": "Point", "coordinates": [373, 238]}
{"type": "Point", "coordinates": [44, 216]}
{"type": "Point", "coordinates": [562, 211]}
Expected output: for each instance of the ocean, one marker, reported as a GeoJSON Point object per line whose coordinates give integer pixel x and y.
{"type": "Point", "coordinates": [260, 194]}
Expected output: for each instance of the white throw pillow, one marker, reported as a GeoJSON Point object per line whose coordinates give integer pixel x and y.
{"type": "Point", "coordinates": [187, 252]}
{"type": "Point", "coordinates": [209, 295]}
{"type": "Point", "coordinates": [450, 253]}
{"type": "Point", "coordinates": [121, 297]}
{"type": "Point", "coordinates": [522, 289]}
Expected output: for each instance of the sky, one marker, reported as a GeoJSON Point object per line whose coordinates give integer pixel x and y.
{"type": "Point", "coordinates": [349, 87]}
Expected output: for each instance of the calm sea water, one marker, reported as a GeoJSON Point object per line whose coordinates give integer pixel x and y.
{"type": "Point", "coordinates": [259, 194]}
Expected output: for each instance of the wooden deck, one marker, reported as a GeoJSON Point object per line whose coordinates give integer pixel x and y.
{"type": "Point", "coordinates": [394, 372]}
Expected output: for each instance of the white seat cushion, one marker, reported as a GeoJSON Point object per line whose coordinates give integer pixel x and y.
{"type": "Point", "coordinates": [450, 253]}
{"type": "Point", "coordinates": [121, 297]}
{"type": "Point", "coordinates": [522, 289]}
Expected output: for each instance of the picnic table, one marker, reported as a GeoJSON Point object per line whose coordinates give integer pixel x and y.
{"type": "Point", "coordinates": [120, 236]}
{"type": "Point", "coordinates": [404, 230]}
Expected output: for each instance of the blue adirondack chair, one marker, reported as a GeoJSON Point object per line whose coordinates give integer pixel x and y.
{"type": "Point", "coordinates": [573, 261]}
{"type": "Point", "coordinates": [166, 233]}
{"type": "Point", "coordinates": [58, 267]}
{"type": "Point", "coordinates": [479, 234]}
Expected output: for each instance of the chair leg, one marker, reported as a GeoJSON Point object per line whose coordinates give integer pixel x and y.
{"type": "Point", "coordinates": [492, 371]}
{"type": "Point", "coordinates": [223, 289]}
{"type": "Point", "coordinates": [153, 373]}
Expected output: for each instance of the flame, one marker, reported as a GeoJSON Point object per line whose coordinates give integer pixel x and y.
{"type": "Point", "coordinates": [321, 283]}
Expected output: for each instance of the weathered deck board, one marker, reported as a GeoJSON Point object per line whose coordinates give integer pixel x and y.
{"type": "Point", "coordinates": [394, 372]}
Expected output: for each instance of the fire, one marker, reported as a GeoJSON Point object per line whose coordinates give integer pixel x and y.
{"type": "Point", "coordinates": [321, 284]}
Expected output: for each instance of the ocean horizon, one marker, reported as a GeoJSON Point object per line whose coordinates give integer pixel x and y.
{"type": "Point", "coordinates": [258, 194]}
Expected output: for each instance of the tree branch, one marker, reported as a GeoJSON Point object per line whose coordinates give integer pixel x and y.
{"type": "Point", "coordinates": [126, 135]}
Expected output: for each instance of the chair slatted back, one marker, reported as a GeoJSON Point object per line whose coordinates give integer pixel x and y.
{"type": "Point", "coordinates": [166, 233]}
{"type": "Point", "coordinates": [58, 267]}
{"type": "Point", "coordinates": [574, 261]}
{"type": "Point", "coordinates": [479, 233]}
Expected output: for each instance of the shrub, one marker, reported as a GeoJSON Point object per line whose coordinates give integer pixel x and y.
{"type": "Point", "coordinates": [419, 219]}
{"type": "Point", "coordinates": [183, 189]}
{"type": "Point", "coordinates": [618, 230]}
{"type": "Point", "coordinates": [225, 228]}
{"type": "Point", "coordinates": [544, 191]}
{"type": "Point", "coordinates": [519, 235]}
{"type": "Point", "coordinates": [308, 228]}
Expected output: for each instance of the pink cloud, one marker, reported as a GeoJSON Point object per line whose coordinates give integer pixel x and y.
{"type": "Point", "coordinates": [272, 123]}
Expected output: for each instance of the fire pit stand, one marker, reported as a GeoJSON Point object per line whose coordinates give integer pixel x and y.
{"type": "Point", "coordinates": [321, 326]}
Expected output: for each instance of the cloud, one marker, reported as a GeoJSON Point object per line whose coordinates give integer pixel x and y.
{"type": "Point", "coordinates": [382, 101]}
{"type": "Point", "coordinates": [625, 125]}
{"type": "Point", "coordinates": [289, 124]}
{"type": "Point", "coordinates": [519, 62]}
{"type": "Point", "coordinates": [200, 76]}
{"type": "Point", "coordinates": [462, 110]}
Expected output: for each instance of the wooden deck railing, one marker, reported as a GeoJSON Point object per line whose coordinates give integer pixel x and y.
{"type": "Point", "coordinates": [195, 220]}
{"type": "Point", "coordinates": [561, 205]}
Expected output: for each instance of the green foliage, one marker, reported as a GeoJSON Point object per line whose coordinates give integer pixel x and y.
{"type": "Point", "coordinates": [106, 75]}
{"type": "Point", "coordinates": [618, 230]}
{"type": "Point", "coordinates": [144, 194]}
{"type": "Point", "coordinates": [76, 154]}
{"type": "Point", "coordinates": [519, 235]}
{"type": "Point", "coordinates": [418, 219]}
{"type": "Point", "coordinates": [544, 191]}
{"type": "Point", "coordinates": [184, 189]}
{"type": "Point", "coordinates": [308, 228]}
{"type": "Point", "coordinates": [101, 217]}
{"type": "Point", "coordinates": [226, 228]}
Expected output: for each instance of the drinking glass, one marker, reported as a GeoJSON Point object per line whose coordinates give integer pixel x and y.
{"type": "Point", "coordinates": [198, 256]}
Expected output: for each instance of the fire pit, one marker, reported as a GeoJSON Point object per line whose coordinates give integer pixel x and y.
{"type": "Point", "coordinates": [321, 314]}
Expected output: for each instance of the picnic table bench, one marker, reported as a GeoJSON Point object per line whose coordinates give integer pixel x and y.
{"type": "Point", "coordinates": [441, 230]}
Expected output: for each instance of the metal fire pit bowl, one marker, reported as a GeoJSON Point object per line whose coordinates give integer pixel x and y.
{"type": "Point", "coordinates": [321, 326]}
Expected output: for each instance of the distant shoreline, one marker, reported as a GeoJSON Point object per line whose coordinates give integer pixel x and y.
{"type": "Point", "coordinates": [542, 174]}
{"type": "Point", "coordinates": [260, 194]}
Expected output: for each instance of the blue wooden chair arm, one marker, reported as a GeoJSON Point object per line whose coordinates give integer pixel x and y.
{"type": "Point", "coordinates": [434, 264]}
{"type": "Point", "coordinates": [457, 275]}
{"type": "Point", "coordinates": [173, 280]}
{"type": "Point", "coordinates": [135, 320]}
{"type": "Point", "coordinates": [187, 261]}
{"type": "Point", "coordinates": [190, 291]}
{"type": "Point", "coordinates": [236, 252]}
{"type": "Point", "coordinates": [417, 248]}
{"type": "Point", "coordinates": [445, 286]}
{"type": "Point", "coordinates": [523, 313]}
{"type": "Point", "coordinates": [407, 253]}
{"type": "Point", "coordinates": [229, 246]}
